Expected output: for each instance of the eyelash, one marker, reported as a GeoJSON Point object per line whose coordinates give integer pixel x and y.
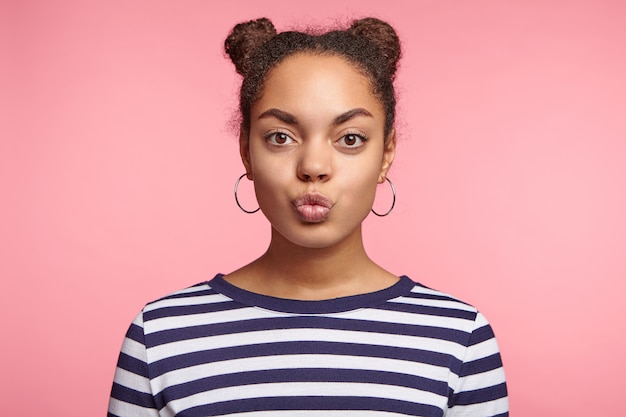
{"type": "Point", "coordinates": [271, 139]}
{"type": "Point", "coordinates": [362, 137]}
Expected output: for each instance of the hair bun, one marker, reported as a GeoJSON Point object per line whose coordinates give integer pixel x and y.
{"type": "Point", "coordinates": [383, 36]}
{"type": "Point", "coordinates": [245, 38]}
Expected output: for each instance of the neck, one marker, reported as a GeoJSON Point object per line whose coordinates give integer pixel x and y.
{"type": "Point", "coordinates": [323, 265]}
{"type": "Point", "coordinates": [290, 271]}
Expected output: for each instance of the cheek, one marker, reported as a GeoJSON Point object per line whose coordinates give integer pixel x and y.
{"type": "Point", "coordinates": [265, 170]}
{"type": "Point", "coordinates": [359, 187]}
{"type": "Point", "coordinates": [269, 184]}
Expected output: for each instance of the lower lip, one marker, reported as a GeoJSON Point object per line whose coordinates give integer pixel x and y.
{"type": "Point", "coordinates": [313, 213]}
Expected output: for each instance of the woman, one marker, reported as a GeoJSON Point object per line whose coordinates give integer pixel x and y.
{"type": "Point", "coordinates": [313, 326]}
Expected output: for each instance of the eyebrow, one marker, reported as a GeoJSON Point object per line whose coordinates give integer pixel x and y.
{"type": "Point", "coordinates": [283, 116]}
{"type": "Point", "coordinates": [351, 114]}
{"type": "Point", "coordinates": [289, 118]}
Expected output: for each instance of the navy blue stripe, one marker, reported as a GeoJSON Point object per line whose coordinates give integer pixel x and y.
{"type": "Point", "coordinates": [299, 322]}
{"type": "Point", "coordinates": [480, 335]}
{"type": "Point", "coordinates": [480, 395]}
{"type": "Point", "coordinates": [185, 310]}
{"type": "Point", "coordinates": [130, 364]}
{"type": "Point", "coordinates": [135, 333]}
{"type": "Point", "coordinates": [438, 297]}
{"type": "Point", "coordinates": [485, 364]}
{"type": "Point", "coordinates": [335, 305]}
{"type": "Point", "coordinates": [431, 311]}
{"type": "Point", "coordinates": [206, 291]}
{"type": "Point", "coordinates": [302, 348]}
{"type": "Point", "coordinates": [122, 393]}
{"type": "Point", "coordinates": [299, 375]}
{"type": "Point", "coordinates": [314, 403]}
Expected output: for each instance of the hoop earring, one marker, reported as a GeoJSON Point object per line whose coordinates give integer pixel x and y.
{"type": "Point", "coordinates": [393, 202]}
{"type": "Point", "coordinates": [237, 198]}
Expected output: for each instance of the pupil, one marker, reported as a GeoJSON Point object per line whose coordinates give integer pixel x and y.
{"type": "Point", "coordinates": [350, 140]}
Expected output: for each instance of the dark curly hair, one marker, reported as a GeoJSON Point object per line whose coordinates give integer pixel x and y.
{"type": "Point", "coordinates": [369, 44]}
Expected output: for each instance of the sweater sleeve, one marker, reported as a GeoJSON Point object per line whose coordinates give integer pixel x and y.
{"type": "Point", "coordinates": [480, 389]}
{"type": "Point", "coordinates": [131, 394]}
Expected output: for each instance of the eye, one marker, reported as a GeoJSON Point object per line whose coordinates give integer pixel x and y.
{"type": "Point", "coordinates": [278, 138]}
{"type": "Point", "coordinates": [352, 140]}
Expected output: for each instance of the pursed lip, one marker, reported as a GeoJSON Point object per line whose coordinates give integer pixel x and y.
{"type": "Point", "coordinates": [313, 207]}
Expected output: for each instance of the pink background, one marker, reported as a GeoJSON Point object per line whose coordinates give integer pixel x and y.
{"type": "Point", "coordinates": [118, 162]}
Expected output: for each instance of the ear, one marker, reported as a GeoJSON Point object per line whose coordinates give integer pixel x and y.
{"type": "Point", "coordinates": [389, 153]}
{"type": "Point", "coordinates": [244, 151]}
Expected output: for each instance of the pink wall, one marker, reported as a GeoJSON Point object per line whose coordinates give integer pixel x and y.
{"type": "Point", "coordinates": [118, 165]}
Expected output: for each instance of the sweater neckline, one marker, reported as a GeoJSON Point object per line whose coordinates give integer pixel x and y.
{"type": "Point", "coordinates": [334, 305]}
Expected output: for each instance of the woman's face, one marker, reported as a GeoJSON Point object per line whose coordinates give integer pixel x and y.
{"type": "Point", "coordinates": [316, 150]}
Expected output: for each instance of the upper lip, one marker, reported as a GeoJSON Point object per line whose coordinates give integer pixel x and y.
{"type": "Point", "coordinates": [315, 199]}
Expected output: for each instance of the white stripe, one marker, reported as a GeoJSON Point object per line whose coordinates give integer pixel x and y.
{"type": "Point", "coordinates": [121, 408]}
{"type": "Point", "coordinates": [132, 381]}
{"type": "Point", "coordinates": [481, 350]}
{"type": "Point", "coordinates": [428, 291]}
{"type": "Point", "coordinates": [304, 389]}
{"type": "Point", "coordinates": [227, 316]}
{"type": "Point", "coordinates": [138, 321]}
{"type": "Point", "coordinates": [482, 380]}
{"type": "Point", "coordinates": [187, 301]}
{"type": "Point", "coordinates": [400, 317]}
{"type": "Point", "coordinates": [134, 349]}
{"type": "Point", "coordinates": [295, 335]}
{"type": "Point", "coordinates": [489, 408]}
{"type": "Point", "coordinates": [193, 373]}
{"type": "Point", "coordinates": [455, 305]}
{"type": "Point", "coordinates": [481, 321]}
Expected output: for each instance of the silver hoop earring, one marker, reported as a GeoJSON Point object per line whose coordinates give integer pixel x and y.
{"type": "Point", "coordinates": [393, 202]}
{"type": "Point", "coordinates": [237, 198]}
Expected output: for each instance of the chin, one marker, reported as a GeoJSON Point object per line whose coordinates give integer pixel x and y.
{"type": "Point", "coordinates": [316, 244]}
{"type": "Point", "coordinates": [313, 236]}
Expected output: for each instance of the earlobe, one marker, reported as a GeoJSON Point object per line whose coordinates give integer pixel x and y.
{"type": "Point", "coordinates": [389, 154]}
{"type": "Point", "coordinates": [244, 151]}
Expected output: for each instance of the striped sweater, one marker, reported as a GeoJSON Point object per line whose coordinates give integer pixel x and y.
{"type": "Point", "coordinates": [214, 349]}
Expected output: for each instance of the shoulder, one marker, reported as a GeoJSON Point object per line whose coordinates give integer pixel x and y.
{"type": "Point", "coordinates": [199, 293]}
{"type": "Point", "coordinates": [419, 291]}
{"type": "Point", "coordinates": [195, 299]}
{"type": "Point", "coordinates": [440, 309]}
{"type": "Point", "coordinates": [421, 298]}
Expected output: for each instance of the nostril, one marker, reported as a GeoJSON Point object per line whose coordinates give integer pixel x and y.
{"type": "Point", "coordinates": [320, 177]}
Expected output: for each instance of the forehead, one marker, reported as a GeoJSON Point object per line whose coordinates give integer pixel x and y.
{"type": "Point", "coordinates": [308, 83]}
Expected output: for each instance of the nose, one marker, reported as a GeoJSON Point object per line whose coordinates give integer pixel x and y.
{"type": "Point", "coordinates": [315, 162]}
